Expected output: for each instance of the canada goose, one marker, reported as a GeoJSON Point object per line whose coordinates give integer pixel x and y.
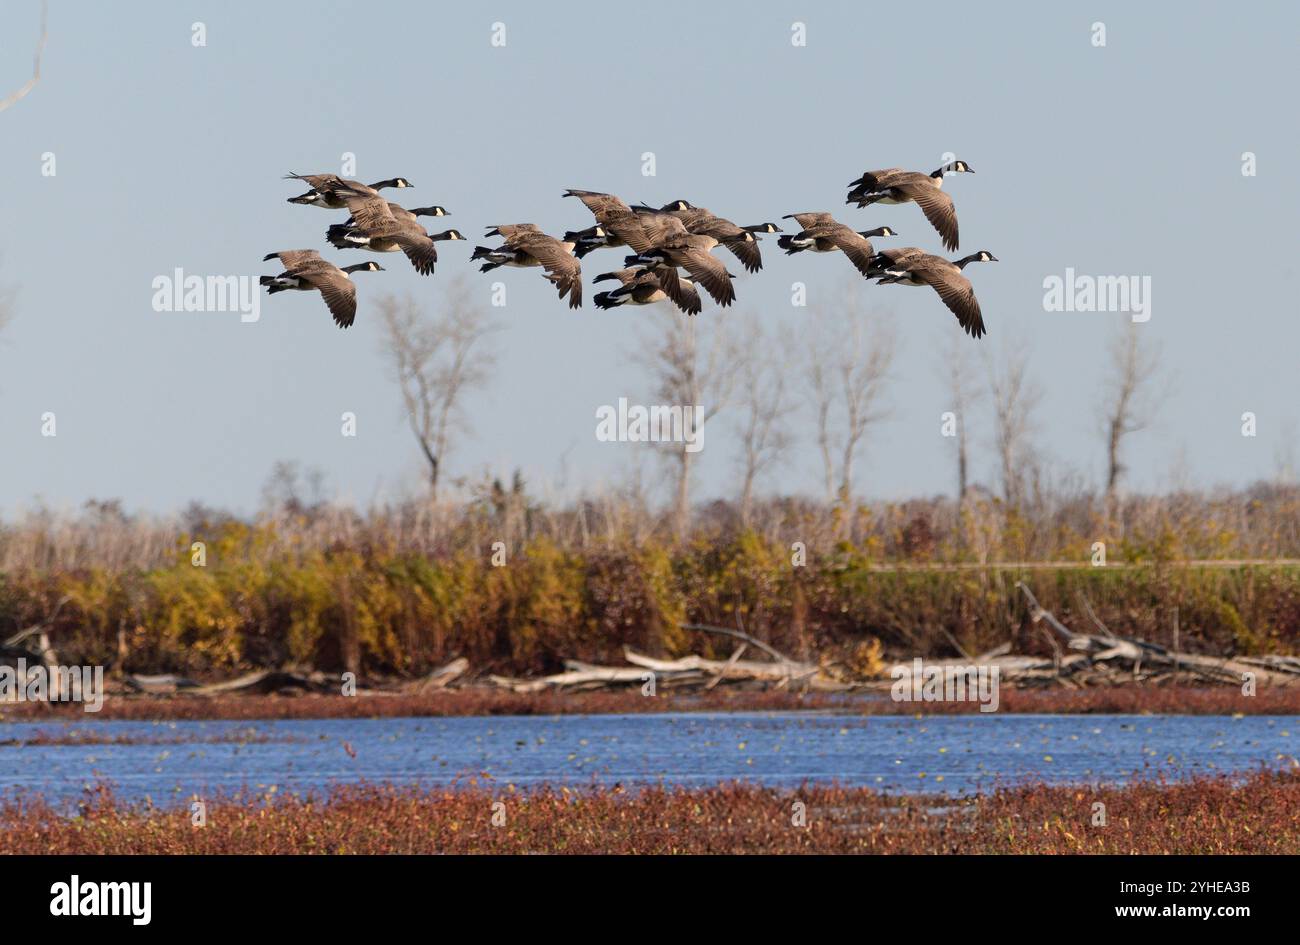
{"type": "Point", "coordinates": [526, 245]}
{"type": "Point", "coordinates": [945, 278]}
{"type": "Point", "coordinates": [605, 208]}
{"type": "Point", "coordinates": [640, 286]}
{"type": "Point", "coordinates": [692, 253]}
{"type": "Point", "coordinates": [306, 271]}
{"type": "Point", "coordinates": [346, 236]}
{"type": "Point", "coordinates": [376, 228]}
{"type": "Point", "coordinates": [822, 233]}
{"type": "Point", "coordinates": [740, 240]}
{"type": "Point", "coordinates": [397, 210]}
{"type": "Point", "coordinates": [328, 190]}
{"type": "Point", "coordinates": [617, 224]}
{"type": "Point", "coordinates": [894, 185]}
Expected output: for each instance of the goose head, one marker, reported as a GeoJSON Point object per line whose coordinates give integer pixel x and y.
{"type": "Point", "coordinates": [982, 256]}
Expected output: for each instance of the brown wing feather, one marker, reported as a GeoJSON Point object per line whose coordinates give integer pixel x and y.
{"type": "Point", "coordinates": [957, 293]}
{"type": "Point", "coordinates": [855, 246]}
{"type": "Point", "coordinates": [419, 249]}
{"type": "Point", "coordinates": [600, 205]}
{"type": "Point", "coordinates": [747, 252]}
{"type": "Point", "coordinates": [561, 266]}
{"type": "Point", "coordinates": [708, 271]}
{"type": "Point", "coordinates": [296, 258]}
{"type": "Point", "coordinates": [337, 290]}
{"type": "Point", "coordinates": [937, 207]}
{"type": "Point", "coordinates": [684, 297]}
{"type": "Point", "coordinates": [810, 220]}
{"type": "Point", "coordinates": [369, 213]}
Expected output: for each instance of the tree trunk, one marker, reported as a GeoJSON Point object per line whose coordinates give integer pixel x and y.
{"type": "Point", "coordinates": [682, 506]}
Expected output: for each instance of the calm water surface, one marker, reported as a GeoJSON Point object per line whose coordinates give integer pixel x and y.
{"type": "Point", "coordinates": [952, 754]}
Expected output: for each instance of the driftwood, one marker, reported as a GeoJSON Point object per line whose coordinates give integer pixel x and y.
{"type": "Point", "coordinates": [440, 678]}
{"type": "Point", "coordinates": [161, 683]}
{"type": "Point", "coordinates": [1105, 658]}
{"type": "Point", "coordinates": [261, 681]}
{"type": "Point", "coordinates": [780, 672]}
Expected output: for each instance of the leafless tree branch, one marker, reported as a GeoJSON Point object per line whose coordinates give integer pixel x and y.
{"type": "Point", "coordinates": [435, 362]}
{"type": "Point", "coordinates": [36, 69]}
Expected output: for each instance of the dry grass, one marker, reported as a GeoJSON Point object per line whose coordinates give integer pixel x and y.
{"type": "Point", "coordinates": [1207, 816]}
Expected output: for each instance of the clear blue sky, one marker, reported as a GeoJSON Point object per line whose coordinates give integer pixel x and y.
{"type": "Point", "coordinates": [1119, 160]}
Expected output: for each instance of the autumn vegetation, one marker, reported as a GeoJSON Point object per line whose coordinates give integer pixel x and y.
{"type": "Point", "coordinates": [1259, 813]}
{"type": "Point", "coordinates": [403, 589]}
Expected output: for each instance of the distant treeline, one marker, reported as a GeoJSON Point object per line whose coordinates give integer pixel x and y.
{"type": "Point", "coordinates": [517, 588]}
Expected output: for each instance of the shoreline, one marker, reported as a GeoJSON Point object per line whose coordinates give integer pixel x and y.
{"type": "Point", "coordinates": [485, 701]}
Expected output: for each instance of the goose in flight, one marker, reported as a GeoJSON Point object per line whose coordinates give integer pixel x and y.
{"type": "Point", "coordinates": [640, 286]}
{"type": "Point", "coordinates": [526, 245]}
{"type": "Point", "coordinates": [666, 252]}
{"type": "Point", "coordinates": [914, 267]}
{"type": "Point", "coordinates": [606, 208]}
{"type": "Point", "coordinates": [306, 271]}
{"type": "Point", "coordinates": [378, 228]}
{"type": "Point", "coordinates": [329, 190]}
{"type": "Point", "coordinates": [822, 233]}
{"type": "Point", "coordinates": [895, 185]}
{"type": "Point", "coordinates": [739, 240]}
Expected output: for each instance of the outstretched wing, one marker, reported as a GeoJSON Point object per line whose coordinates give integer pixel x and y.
{"type": "Point", "coordinates": [336, 289]}
{"type": "Point", "coordinates": [956, 291]}
{"type": "Point", "coordinates": [937, 207]}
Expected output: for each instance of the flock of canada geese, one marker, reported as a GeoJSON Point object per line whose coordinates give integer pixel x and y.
{"type": "Point", "coordinates": [676, 236]}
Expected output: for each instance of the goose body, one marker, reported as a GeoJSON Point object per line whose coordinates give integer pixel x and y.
{"type": "Point", "coordinates": [740, 241]}
{"type": "Point", "coordinates": [378, 228]}
{"type": "Point", "coordinates": [639, 286]}
{"type": "Point", "coordinates": [896, 186]}
{"type": "Point", "coordinates": [917, 268]}
{"type": "Point", "coordinates": [306, 271]}
{"type": "Point", "coordinates": [526, 246]}
{"type": "Point", "coordinates": [822, 233]}
{"type": "Point", "coordinates": [330, 191]}
{"type": "Point", "coordinates": [691, 252]}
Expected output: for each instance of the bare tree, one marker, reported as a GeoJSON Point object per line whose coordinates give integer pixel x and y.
{"type": "Point", "coordinates": [1015, 398]}
{"type": "Point", "coordinates": [436, 361]}
{"type": "Point", "coordinates": [765, 409]}
{"type": "Point", "coordinates": [957, 371]}
{"type": "Point", "coordinates": [36, 69]}
{"type": "Point", "coordinates": [681, 380]}
{"type": "Point", "coordinates": [1134, 395]}
{"type": "Point", "coordinates": [848, 358]}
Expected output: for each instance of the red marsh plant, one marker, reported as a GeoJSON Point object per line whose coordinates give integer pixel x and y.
{"type": "Point", "coordinates": [1257, 814]}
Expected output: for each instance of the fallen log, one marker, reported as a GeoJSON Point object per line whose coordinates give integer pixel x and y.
{"type": "Point", "coordinates": [441, 677]}
{"type": "Point", "coordinates": [261, 681]}
{"type": "Point", "coordinates": [161, 683]}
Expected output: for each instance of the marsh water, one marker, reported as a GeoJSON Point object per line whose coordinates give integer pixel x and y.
{"type": "Point", "coordinates": [168, 762]}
